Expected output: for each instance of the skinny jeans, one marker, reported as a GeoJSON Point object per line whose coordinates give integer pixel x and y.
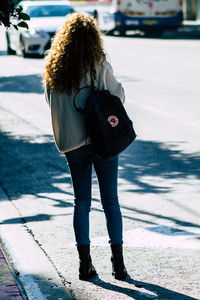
{"type": "Point", "coordinates": [107, 173]}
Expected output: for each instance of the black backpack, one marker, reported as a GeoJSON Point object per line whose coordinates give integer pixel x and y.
{"type": "Point", "coordinates": [107, 123]}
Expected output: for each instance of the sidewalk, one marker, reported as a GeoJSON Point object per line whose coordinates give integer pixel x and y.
{"type": "Point", "coordinates": [188, 30]}
{"type": "Point", "coordinates": [190, 27]}
{"type": "Point", "coordinates": [191, 23]}
{"type": "Point", "coordinates": [9, 289]}
{"type": "Point", "coordinates": [38, 277]}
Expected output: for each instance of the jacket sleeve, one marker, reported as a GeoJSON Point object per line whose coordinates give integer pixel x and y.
{"type": "Point", "coordinates": [111, 84]}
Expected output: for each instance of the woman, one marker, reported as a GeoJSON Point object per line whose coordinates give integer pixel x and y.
{"type": "Point", "coordinates": [76, 52]}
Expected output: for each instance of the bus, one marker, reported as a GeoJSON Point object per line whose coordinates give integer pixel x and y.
{"type": "Point", "coordinates": [149, 16]}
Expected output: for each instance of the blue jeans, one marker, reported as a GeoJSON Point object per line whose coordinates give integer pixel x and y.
{"type": "Point", "coordinates": [107, 172]}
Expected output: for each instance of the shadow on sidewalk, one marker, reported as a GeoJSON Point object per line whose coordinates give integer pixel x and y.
{"type": "Point", "coordinates": [33, 166]}
{"type": "Point", "coordinates": [156, 159]}
{"type": "Point", "coordinates": [37, 287]}
{"type": "Point", "coordinates": [22, 84]}
{"type": "Point", "coordinates": [139, 290]}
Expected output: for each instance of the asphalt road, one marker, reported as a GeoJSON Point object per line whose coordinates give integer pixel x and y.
{"type": "Point", "coordinates": [158, 174]}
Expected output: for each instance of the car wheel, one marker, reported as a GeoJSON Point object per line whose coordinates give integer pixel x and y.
{"type": "Point", "coordinates": [122, 32]}
{"type": "Point", "coordinates": [109, 32]}
{"type": "Point", "coordinates": [153, 32]}
{"type": "Point", "coordinates": [10, 51]}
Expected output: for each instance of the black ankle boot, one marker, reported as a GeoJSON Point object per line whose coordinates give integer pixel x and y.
{"type": "Point", "coordinates": [86, 268]}
{"type": "Point", "coordinates": [118, 267]}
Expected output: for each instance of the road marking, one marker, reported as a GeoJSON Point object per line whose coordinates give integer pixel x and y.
{"type": "Point", "coordinates": [171, 116]}
{"type": "Point", "coordinates": [159, 236]}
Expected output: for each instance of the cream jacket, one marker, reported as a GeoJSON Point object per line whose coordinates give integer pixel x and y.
{"type": "Point", "coordinates": [68, 124]}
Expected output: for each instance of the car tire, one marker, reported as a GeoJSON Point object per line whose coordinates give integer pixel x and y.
{"type": "Point", "coordinates": [153, 32]}
{"type": "Point", "coordinates": [122, 32]}
{"type": "Point", "coordinates": [109, 32]}
{"type": "Point", "coordinates": [10, 51]}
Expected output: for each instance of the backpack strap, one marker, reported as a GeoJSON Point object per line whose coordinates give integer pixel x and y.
{"type": "Point", "coordinates": [89, 155]}
{"type": "Point", "coordinates": [92, 87]}
{"type": "Point", "coordinates": [79, 109]}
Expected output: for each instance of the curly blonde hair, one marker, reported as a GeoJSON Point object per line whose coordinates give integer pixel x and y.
{"type": "Point", "coordinates": [76, 49]}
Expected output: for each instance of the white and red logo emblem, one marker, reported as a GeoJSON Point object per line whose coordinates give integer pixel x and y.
{"type": "Point", "coordinates": [113, 120]}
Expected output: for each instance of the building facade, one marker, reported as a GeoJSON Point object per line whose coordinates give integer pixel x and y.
{"type": "Point", "coordinates": [191, 9]}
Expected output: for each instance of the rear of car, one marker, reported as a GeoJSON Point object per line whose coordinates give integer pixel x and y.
{"type": "Point", "coordinates": [151, 16]}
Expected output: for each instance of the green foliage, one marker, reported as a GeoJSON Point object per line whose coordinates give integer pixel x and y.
{"type": "Point", "coordinates": [23, 24]}
{"type": "Point", "coordinates": [24, 16]}
{"type": "Point", "coordinates": [11, 15]}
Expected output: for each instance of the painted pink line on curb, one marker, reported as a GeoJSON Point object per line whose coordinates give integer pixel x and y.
{"type": "Point", "coordinates": [10, 292]}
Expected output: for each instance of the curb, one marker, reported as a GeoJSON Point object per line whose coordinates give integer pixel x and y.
{"type": "Point", "coordinates": [190, 27]}
{"type": "Point", "coordinates": [35, 272]}
{"type": "Point", "coordinates": [9, 288]}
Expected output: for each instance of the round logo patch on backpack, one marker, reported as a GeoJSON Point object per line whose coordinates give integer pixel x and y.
{"type": "Point", "coordinates": [113, 120]}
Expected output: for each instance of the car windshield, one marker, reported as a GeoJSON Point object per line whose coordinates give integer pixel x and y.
{"type": "Point", "coordinates": [49, 11]}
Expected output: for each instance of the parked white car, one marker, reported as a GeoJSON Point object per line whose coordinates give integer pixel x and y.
{"type": "Point", "coordinates": [45, 18]}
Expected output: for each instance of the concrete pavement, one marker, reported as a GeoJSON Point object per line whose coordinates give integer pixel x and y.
{"type": "Point", "coordinates": [41, 280]}
{"type": "Point", "coordinates": [35, 274]}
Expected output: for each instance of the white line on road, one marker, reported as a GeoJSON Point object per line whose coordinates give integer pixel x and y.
{"type": "Point", "coordinates": [156, 237]}
{"type": "Point", "coordinates": [169, 115]}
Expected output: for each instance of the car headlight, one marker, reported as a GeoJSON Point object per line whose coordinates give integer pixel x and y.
{"type": "Point", "coordinates": [32, 32]}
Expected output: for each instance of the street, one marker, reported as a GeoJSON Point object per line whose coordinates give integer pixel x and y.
{"type": "Point", "coordinates": [158, 174]}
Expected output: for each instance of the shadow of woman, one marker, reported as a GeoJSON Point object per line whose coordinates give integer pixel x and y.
{"type": "Point", "coordinates": [141, 290]}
